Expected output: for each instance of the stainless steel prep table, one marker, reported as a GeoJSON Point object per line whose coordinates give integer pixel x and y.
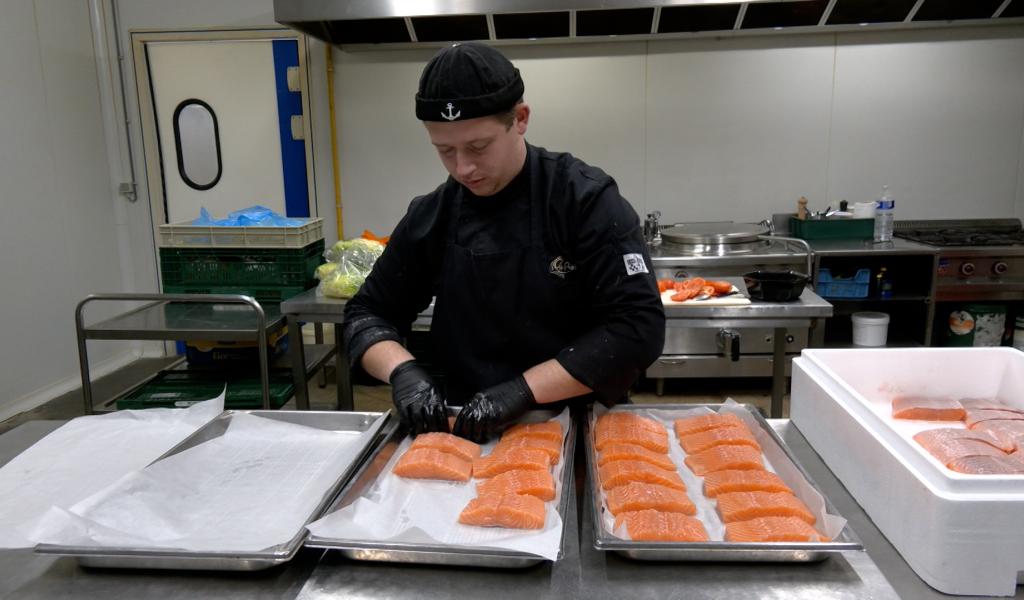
{"type": "Point", "coordinates": [806, 313]}
{"type": "Point", "coordinates": [311, 307]}
{"type": "Point", "coordinates": [583, 573]}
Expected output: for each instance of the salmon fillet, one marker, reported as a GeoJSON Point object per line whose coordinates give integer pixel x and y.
{"type": "Point", "coordinates": [986, 404]}
{"type": "Point", "coordinates": [721, 458]}
{"type": "Point", "coordinates": [975, 416]}
{"type": "Point", "coordinates": [551, 447]}
{"type": "Point", "coordinates": [946, 451]}
{"type": "Point", "coordinates": [622, 472]}
{"type": "Point", "coordinates": [629, 419]}
{"type": "Point", "coordinates": [546, 430]}
{"type": "Point", "coordinates": [657, 526]}
{"type": "Point", "coordinates": [722, 436]}
{"type": "Point", "coordinates": [430, 463]}
{"type": "Point", "coordinates": [539, 484]}
{"type": "Point", "coordinates": [944, 435]}
{"type": "Point", "coordinates": [743, 506]}
{"type": "Point", "coordinates": [988, 465]}
{"type": "Point", "coordinates": [447, 443]}
{"type": "Point", "coordinates": [614, 452]}
{"type": "Point", "coordinates": [636, 435]}
{"type": "Point", "coordinates": [1009, 433]}
{"type": "Point", "coordinates": [691, 425]}
{"type": "Point", "coordinates": [636, 496]}
{"type": "Point", "coordinates": [927, 408]}
{"type": "Point", "coordinates": [523, 459]}
{"type": "Point", "coordinates": [724, 482]}
{"type": "Point", "coordinates": [772, 529]}
{"type": "Point", "coordinates": [512, 511]}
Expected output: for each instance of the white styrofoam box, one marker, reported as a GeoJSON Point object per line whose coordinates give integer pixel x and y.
{"type": "Point", "coordinates": [961, 534]}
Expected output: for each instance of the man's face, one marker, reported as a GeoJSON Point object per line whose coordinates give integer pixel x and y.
{"type": "Point", "coordinates": [482, 154]}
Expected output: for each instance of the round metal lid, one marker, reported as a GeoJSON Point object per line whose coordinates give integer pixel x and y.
{"type": "Point", "coordinates": [726, 232]}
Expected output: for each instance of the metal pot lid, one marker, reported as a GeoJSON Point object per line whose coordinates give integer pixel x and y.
{"type": "Point", "coordinates": [714, 233]}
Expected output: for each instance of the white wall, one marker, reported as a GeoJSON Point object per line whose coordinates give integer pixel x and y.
{"type": "Point", "coordinates": [736, 128]}
{"type": "Point", "coordinates": [57, 224]}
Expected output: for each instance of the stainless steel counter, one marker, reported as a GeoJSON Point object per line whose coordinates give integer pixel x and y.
{"type": "Point", "coordinates": [862, 247]}
{"type": "Point", "coordinates": [808, 306]}
{"type": "Point", "coordinates": [878, 573]}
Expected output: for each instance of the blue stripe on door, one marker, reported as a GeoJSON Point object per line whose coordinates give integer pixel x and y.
{"type": "Point", "coordinates": [293, 152]}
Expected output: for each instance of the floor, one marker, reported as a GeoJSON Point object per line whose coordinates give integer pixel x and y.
{"type": "Point", "coordinates": [756, 391]}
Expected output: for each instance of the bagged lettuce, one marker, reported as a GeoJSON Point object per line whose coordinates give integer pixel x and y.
{"type": "Point", "coordinates": [349, 262]}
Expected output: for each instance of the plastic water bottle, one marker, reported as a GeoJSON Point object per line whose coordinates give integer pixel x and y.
{"type": "Point", "coordinates": [885, 214]}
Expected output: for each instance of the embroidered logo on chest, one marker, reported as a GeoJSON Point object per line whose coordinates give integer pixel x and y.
{"type": "Point", "coordinates": [635, 264]}
{"type": "Point", "coordinates": [561, 267]}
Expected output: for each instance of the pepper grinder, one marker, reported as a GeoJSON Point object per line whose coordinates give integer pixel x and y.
{"type": "Point", "coordinates": [801, 208]}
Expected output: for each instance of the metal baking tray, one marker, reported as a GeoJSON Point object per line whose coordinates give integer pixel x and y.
{"type": "Point", "coordinates": [712, 551]}
{"type": "Point", "coordinates": [150, 558]}
{"type": "Point", "coordinates": [440, 554]}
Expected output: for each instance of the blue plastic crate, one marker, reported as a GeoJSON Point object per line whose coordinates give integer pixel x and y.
{"type": "Point", "coordinates": [857, 286]}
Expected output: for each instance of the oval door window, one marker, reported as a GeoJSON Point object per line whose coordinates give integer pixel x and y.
{"type": "Point", "coordinates": [197, 143]}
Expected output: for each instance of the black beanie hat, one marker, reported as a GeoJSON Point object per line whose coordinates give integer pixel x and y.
{"type": "Point", "coordinates": [466, 81]}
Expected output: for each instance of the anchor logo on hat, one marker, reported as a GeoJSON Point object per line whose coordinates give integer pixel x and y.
{"type": "Point", "coordinates": [448, 115]}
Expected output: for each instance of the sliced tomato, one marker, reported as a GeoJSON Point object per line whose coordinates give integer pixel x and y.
{"type": "Point", "coordinates": [684, 295]}
{"type": "Point", "coordinates": [721, 287]}
{"type": "Point", "coordinates": [665, 285]}
{"type": "Point", "coordinates": [708, 290]}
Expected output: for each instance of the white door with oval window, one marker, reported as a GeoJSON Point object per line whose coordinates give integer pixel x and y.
{"type": "Point", "coordinates": [224, 122]}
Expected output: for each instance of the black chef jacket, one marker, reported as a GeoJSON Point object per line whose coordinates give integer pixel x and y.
{"type": "Point", "coordinates": [552, 266]}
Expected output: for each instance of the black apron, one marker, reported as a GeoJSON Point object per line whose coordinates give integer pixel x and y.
{"type": "Point", "coordinates": [502, 312]}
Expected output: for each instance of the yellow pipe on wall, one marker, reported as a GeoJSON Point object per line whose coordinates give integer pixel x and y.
{"type": "Point", "coordinates": [335, 169]}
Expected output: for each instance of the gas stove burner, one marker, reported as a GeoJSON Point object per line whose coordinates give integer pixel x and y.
{"type": "Point", "coordinates": [964, 237]}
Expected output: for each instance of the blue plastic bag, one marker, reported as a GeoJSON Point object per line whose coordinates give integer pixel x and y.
{"type": "Point", "coordinates": [254, 216]}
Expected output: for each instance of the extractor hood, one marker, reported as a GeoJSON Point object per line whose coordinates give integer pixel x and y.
{"type": "Point", "coordinates": [387, 23]}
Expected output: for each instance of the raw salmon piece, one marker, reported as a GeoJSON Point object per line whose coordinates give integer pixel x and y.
{"type": "Point", "coordinates": [551, 447]}
{"type": "Point", "coordinates": [532, 483]}
{"type": "Point", "coordinates": [1008, 432]}
{"type": "Point", "coordinates": [927, 408]}
{"type": "Point", "coordinates": [614, 452]}
{"type": "Point", "coordinates": [657, 526]}
{"type": "Point", "coordinates": [642, 496]}
{"type": "Point", "coordinates": [943, 435]}
{"type": "Point", "coordinates": [527, 459]}
{"type": "Point", "coordinates": [987, 404]}
{"type": "Point", "coordinates": [447, 443]}
{"type": "Point", "coordinates": [743, 506]}
{"type": "Point", "coordinates": [722, 436]}
{"type": "Point", "coordinates": [692, 425]}
{"type": "Point", "coordinates": [430, 463]}
{"type": "Point", "coordinates": [988, 465]}
{"type": "Point", "coordinates": [513, 511]}
{"type": "Point", "coordinates": [948, 450]}
{"type": "Point", "coordinates": [772, 529]}
{"type": "Point", "coordinates": [724, 482]}
{"type": "Point", "coordinates": [546, 430]}
{"type": "Point", "coordinates": [975, 416]}
{"type": "Point", "coordinates": [622, 472]}
{"type": "Point", "coordinates": [614, 419]}
{"type": "Point", "coordinates": [632, 434]}
{"type": "Point", "coordinates": [721, 458]}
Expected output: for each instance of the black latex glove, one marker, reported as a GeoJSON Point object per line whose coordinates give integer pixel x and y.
{"type": "Point", "coordinates": [419, 404]}
{"type": "Point", "coordinates": [490, 410]}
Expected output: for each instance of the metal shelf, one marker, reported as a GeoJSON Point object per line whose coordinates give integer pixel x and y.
{"type": "Point", "coordinates": [188, 322]}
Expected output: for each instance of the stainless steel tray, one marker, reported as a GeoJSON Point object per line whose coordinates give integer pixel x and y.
{"type": "Point", "coordinates": [439, 554]}
{"type": "Point", "coordinates": [149, 558]}
{"type": "Point", "coordinates": [711, 551]}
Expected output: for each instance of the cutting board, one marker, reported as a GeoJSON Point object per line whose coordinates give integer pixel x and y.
{"type": "Point", "coordinates": [734, 300]}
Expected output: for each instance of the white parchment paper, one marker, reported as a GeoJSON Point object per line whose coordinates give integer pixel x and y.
{"type": "Point", "coordinates": [84, 456]}
{"type": "Point", "coordinates": [418, 511]}
{"type": "Point", "coordinates": [247, 490]}
{"type": "Point", "coordinates": [775, 460]}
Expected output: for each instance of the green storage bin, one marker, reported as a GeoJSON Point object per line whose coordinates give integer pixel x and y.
{"type": "Point", "coordinates": [236, 267]}
{"type": "Point", "coordinates": [832, 229]}
{"type": "Point", "coordinates": [180, 389]}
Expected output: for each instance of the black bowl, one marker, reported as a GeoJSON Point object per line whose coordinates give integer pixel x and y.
{"type": "Point", "coordinates": [775, 286]}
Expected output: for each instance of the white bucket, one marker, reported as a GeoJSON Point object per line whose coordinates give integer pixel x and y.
{"type": "Point", "coordinates": [870, 328]}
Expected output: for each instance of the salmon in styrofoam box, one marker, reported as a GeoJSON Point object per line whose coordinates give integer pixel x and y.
{"type": "Point", "coordinates": [961, 533]}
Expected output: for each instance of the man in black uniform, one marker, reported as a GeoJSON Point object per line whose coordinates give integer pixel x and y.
{"type": "Point", "coordinates": [544, 288]}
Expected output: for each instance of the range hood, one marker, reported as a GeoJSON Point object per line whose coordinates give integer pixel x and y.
{"type": "Point", "coordinates": [388, 23]}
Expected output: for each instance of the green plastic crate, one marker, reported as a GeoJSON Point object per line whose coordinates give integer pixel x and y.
{"type": "Point", "coordinates": [179, 389]}
{"type": "Point", "coordinates": [832, 229]}
{"type": "Point", "coordinates": [254, 267]}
